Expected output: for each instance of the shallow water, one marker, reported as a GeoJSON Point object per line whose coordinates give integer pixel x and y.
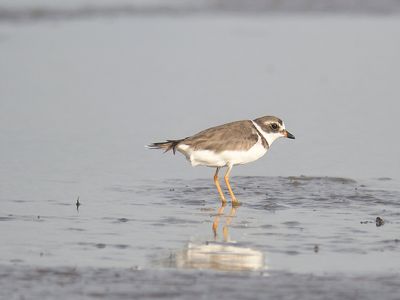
{"type": "Point", "coordinates": [298, 224]}
{"type": "Point", "coordinates": [137, 235]}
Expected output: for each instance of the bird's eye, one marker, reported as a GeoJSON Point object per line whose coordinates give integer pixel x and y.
{"type": "Point", "coordinates": [274, 126]}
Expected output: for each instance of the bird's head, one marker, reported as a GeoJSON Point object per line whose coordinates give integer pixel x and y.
{"type": "Point", "coordinates": [273, 128]}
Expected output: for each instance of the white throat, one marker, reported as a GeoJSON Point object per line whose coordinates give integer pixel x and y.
{"type": "Point", "coordinates": [269, 137]}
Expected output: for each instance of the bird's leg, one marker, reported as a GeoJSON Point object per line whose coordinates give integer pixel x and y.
{"type": "Point", "coordinates": [235, 202]}
{"type": "Point", "coordinates": [223, 200]}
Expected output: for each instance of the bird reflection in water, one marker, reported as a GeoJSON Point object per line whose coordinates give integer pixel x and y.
{"type": "Point", "coordinates": [221, 253]}
{"type": "Point", "coordinates": [228, 220]}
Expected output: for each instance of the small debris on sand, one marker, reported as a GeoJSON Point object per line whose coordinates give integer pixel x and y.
{"type": "Point", "coordinates": [77, 204]}
{"type": "Point", "coordinates": [379, 221]}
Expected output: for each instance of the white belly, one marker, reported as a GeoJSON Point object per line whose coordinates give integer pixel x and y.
{"type": "Point", "coordinates": [230, 157]}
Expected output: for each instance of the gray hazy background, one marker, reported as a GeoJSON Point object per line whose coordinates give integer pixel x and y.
{"type": "Point", "coordinates": [81, 96]}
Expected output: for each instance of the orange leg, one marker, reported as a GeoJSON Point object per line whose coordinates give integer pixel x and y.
{"type": "Point", "coordinates": [221, 194]}
{"type": "Point", "coordinates": [235, 202]}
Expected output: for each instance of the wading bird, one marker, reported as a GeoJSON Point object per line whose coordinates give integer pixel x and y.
{"type": "Point", "coordinates": [227, 145]}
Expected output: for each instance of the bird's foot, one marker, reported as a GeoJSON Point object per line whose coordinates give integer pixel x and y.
{"type": "Point", "coordinates": [235, 202]}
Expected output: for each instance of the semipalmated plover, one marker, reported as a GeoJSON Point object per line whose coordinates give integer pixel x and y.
{"type": "Point", "coordinates": [227, 145]}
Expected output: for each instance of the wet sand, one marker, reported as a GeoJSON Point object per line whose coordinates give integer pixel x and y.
{"type": "Point", "coordinates": [89, 283]}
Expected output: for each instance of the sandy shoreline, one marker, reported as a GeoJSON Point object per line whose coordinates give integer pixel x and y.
{"type": "Point", "coordinates": [90, 283]}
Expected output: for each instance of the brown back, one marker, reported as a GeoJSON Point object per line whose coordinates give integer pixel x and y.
{"type": "Point", "coordinates": [230, 136]}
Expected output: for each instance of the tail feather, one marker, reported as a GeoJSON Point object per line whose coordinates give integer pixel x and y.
{"type": "Point", "coordinates": [166, 146]}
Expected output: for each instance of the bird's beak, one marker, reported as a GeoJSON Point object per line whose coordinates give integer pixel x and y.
{"type": "Point", "coordinates": [289, 135]}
